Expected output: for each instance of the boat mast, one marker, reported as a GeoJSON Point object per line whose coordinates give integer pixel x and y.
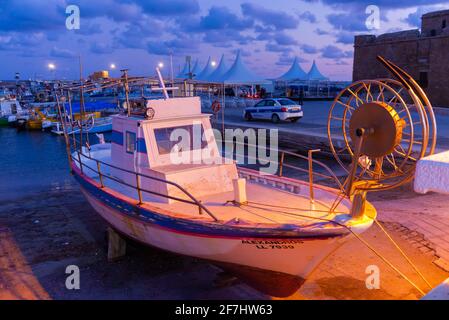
{"type": "Point", "coordinates": [126, 85]}
{"type": "Point", "coordinates": [81, 103]}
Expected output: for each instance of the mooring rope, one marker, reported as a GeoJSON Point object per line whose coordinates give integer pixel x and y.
{"type": "Point", "coordinates": [376, 252]}
{"type": "Point", "coordinates": [403, 253]}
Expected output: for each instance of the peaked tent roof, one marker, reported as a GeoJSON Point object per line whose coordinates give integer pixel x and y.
{"type": "Point", "coordinates": [207, 71]}
{"type": "Point", "coordinates": [196, 69]}
{"type": "Point", "coordinates": [219, 72]}
{"type": "Point", "coordinates": [240, 74]}
{"type": "Point", "coordinates": [185, 71]}
{"type": "Point", "coordinates": [315, 74]}
{"type": "Point", "coordinates": [294, 73]}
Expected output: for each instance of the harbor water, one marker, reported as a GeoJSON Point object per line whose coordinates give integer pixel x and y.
{"type": "Point", "coordinates": [32, 162]}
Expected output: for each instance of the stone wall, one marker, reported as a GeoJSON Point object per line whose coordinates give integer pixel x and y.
{"type": "Point", "coordinates": [424, 57]}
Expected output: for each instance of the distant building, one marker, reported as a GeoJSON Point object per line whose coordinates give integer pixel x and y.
{"type": "Point", "coordinates": [425, 55]}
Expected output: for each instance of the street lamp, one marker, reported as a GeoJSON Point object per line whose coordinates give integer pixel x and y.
{"type": "Point", "coordinates": [52, 68]}
{"type": "Point", "coordinates": [160, 65]}
{"type": "Point", "coordinates": [213, 63]}
{"type": "Point", "coordinates": [112, 66]}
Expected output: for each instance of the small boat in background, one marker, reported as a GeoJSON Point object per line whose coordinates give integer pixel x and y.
{"type": "Point", "coordinates": [10, 111]}
{"type": "Point", "coordinates": [92, 124]}
{"type": "Point", "coordinates": [36, 119]}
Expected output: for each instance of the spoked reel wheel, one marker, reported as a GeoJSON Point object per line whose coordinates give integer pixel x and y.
{"type": "Point", "coordinates": [398, 127]}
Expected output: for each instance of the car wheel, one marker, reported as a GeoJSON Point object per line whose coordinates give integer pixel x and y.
{"type": "Point", "coordinates": [275, 118]}
{"type": "Point", "coordinates": [248, 116]}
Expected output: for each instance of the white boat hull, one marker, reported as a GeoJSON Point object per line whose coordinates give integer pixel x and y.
{"type": "Point", "coordinates": [289, 261]}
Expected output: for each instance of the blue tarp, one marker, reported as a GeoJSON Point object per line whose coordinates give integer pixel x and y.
{"type": "Point", "coordinates": [91, 106]}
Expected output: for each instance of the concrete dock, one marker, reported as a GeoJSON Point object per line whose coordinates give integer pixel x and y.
{"type": "Point", "coordinates": [43, 234]}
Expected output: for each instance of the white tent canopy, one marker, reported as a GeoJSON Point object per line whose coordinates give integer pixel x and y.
{"type": "Point", "coordinates": [196, 69]}
{"type": "Point", "coordinates": [219, 72]}
{"type": "Point", "coordinates": [185, 71]}
{"type": "Point", "coordinates": [294, 73]}
{"type": "Point", "coordinates": [240, 74]}
{"type": "Point", "coordinates": [315, 74]}
{"type": "Point", "coordinates": [207, 71]}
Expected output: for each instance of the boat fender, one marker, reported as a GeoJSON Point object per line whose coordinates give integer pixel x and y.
{"type": "Point", "coordinates": [216, 106]}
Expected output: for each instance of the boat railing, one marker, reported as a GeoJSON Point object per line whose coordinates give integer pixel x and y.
{"type": "Point", "coordinates": [137, 187]}
{"type": "Point", "coordinates": [328, 172]}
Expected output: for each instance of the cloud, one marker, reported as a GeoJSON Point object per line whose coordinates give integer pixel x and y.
{"type": "Point", "coordinates": [280, 20]}
{"type": "Point", "coordinates": [333, 52]}
{"type": "Point", "coordinates": [169, 7]}
{"type": "Point", "coordinates": [88, 28]}
{"type": "Point", "coordinates": [284, 39]}
{"type": "Point", "coordinates": [307, 16]}
{"type": "Point", "coordinates": [177, 46]}
{"type": "Point", "coordinates": [30, 15]}
{"type": "Point", "coordinates": [273, 47]}
{"type": "Point", "coordinates": [116, 10]}
{"type": "Point", "coordinates": [62, 53]}
{"type": "Point", "coordinates": [226, 37]}
{"type": "Point", "coordinates": [386, 4]}
{"type": "Point", "coordinates": [321, 32]}
{"type": "Point", "coordinates": [101, 48]}
{"type": "Point", "coordinates": [308, 49]}
{"type": "Point", "coordinates": [414, 18]}
{"type": "Point", "coordinates": [345, 37]}
{"type": "Point", "coordinates": [21, 41]}
{"type": "Point", "coordinates": [348, 21]}
{"type": "Point", "coordinates": [135, 35]}
{"type": "Point", "coordinates": [286, 59]}
{"type": "Point", "coordinates": [222, 18]}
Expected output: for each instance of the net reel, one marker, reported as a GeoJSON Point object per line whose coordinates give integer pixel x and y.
{"type": "Point", "coordinates": [384, 126]}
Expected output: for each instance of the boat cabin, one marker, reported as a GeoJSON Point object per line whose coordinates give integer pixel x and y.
{"type": "Point", "coordinates": [171, 141]}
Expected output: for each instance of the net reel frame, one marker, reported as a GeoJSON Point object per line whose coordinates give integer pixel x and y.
{"type": "Point", "coordinates": [400, 129]}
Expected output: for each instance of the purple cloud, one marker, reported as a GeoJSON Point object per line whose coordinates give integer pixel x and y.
{"type": "Point", "coordinates": [280, 20]}
{"type": "Point", "coordinates": [333, 52]}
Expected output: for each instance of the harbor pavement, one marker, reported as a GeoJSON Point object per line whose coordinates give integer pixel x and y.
{"type": "Point", "coordinates": [42, 234]}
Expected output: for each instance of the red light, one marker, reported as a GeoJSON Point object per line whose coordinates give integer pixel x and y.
{"type": "Point", "coordinates": [284, 109]}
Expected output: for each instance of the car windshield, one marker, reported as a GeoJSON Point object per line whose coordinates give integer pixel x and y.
{"type": "Point", "coordinates": [287, 102]}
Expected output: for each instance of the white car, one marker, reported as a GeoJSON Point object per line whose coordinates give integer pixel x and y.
{"type": "Point", "coordinates": [274, 109]}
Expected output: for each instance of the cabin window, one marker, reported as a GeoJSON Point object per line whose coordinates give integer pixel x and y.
{"type": "Point", "coordinates": [130, 142]}
{"type": "Point", "coordinates": [433, 33]}
{"type": "Point", "coordinates": [443, 24]}
{"type": "Point", "coordinates": [188, 137]}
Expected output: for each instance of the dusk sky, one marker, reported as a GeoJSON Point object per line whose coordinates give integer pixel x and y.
{"type": "Point", "coordinates": [138, 34]}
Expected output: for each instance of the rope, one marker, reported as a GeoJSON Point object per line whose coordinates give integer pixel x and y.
{"type": "Point", "coordinates": [403, 253]}
{"type": "Point", "coordinates": [385, 260]}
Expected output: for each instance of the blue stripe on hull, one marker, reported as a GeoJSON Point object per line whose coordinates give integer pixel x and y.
{"type": "Point", "coordinates": [201, 229]}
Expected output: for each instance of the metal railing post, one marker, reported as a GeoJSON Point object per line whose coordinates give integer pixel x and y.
{"type": "Point", "coordinates": [139, 192]}
{"type": "Point", "coordinates": [281, 163]}
{"type": "Point", "coordinates": [79, 160]}
{"type": "Point", "coordinates": [311, 194]}
{"type": "Point", "coordinates": [99, 175]}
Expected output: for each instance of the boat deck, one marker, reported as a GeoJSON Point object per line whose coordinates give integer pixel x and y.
{"type": "Point", "coordinates": [271, 200]}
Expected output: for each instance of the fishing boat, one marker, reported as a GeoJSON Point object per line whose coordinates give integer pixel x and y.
{"type": "Point", "coordinates": [91, 125]}
{"type": "Point", "coordinates": [10, 110]}
{"type": "Point", "coordinates": [269, 230]}
{"type": "Point", "coordinates": [37, 118]}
